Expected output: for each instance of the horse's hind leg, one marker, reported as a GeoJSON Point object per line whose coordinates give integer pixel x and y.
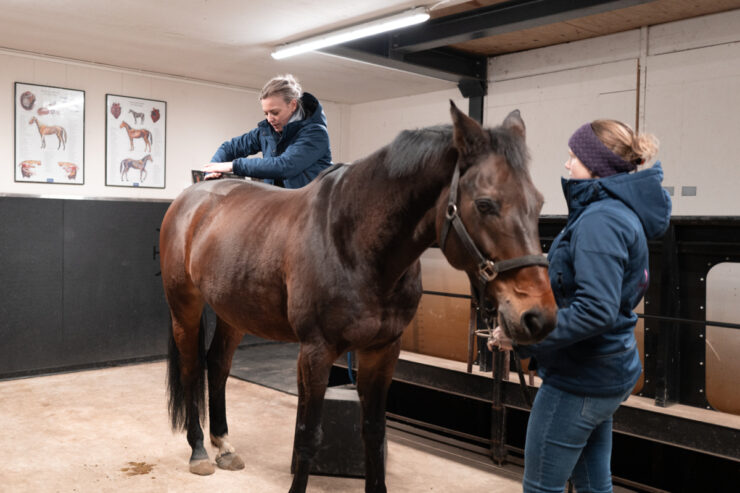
{"type": "Point", "coordinates": [375, 371]}
{"type": "Point", "coordinates": [186, 370]}
{"type": "Point", "coordinates": [314, 364]}
{"type": "Point", "coordinates": [224, 344]}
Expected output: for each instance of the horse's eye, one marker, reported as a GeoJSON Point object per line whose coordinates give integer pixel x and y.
{"type": "Point", "coordinates": [488, 206]}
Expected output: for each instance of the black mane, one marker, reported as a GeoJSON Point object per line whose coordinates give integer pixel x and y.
{"type": "Point", "coordinates": [412, 149]}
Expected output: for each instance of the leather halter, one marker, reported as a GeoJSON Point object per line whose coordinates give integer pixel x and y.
{"type": "Point", "coordinates": [488, 270]}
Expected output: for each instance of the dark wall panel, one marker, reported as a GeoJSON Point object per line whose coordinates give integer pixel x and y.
{"type": "Point", "coordinates": [114, 303]}
{"type": "Point", "coordinates": [79, 283]}
{"type": "Point", "coordinates": [31, 295]}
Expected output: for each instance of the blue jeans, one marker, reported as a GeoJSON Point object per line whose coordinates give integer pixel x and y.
{"type": "Point", "coordinates": [569, 436]}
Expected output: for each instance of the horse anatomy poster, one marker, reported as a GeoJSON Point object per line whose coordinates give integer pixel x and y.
{"type": "Point", "coordinates": [135, 139]}
{"type": "Point", "coordinates": [49, 134]}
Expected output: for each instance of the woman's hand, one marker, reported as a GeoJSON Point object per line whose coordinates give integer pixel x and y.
{"type": "Point", "coordinates": [214, 170]}
{"type": "Point", "coordinates": [498, 339]}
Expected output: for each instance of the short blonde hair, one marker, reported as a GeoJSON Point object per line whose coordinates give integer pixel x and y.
{"type": "Point", "coordinates": [625, 142]}
{"type": "Point", "coordinates": [285, 86]}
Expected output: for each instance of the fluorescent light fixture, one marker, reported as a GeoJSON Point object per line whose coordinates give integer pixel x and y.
{"type": "Point", "coordinates": [408, 18]}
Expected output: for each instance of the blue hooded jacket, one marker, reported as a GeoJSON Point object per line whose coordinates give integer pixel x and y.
{"type": "Point", "coordinates": [295, 156]}
{"type": "Point", "coordinates": [599, 272]}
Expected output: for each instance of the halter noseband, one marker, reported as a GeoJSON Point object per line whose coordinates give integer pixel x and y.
{"type": "Point", "coordinates": [488, 270]}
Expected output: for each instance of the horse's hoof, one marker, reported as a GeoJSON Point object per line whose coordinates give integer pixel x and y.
{"type": "Point", "coordinates": [202, 467]}
{"type": "Point", "coordinates": [230, 462]}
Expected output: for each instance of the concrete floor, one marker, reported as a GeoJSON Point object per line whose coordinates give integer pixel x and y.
{"type": "Point", "coordinates": [108, 431]}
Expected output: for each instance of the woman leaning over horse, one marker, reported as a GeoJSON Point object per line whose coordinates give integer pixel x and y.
{"type": "Point", "coordinates": [598, 272]}
{"type": "Point", "coordinates": [293, 139]}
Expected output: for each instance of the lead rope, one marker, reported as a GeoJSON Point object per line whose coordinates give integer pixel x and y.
{"type": "Point", "coordinates": [488, 331]}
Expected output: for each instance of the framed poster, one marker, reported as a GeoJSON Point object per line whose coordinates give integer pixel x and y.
{"type": "Point", "coordinates": [49, 134]}
{"type": "Point", "coordinates": [135, 139]}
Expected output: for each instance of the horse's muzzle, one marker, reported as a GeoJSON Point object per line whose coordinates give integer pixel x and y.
{"type": "Point", "coordinates": [538, 323]}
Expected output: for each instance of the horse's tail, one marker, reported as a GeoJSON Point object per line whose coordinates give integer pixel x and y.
{"type": "Point", "coordinates": [64, 135]}
{"type": "Point", "coordinates": [182, 394]}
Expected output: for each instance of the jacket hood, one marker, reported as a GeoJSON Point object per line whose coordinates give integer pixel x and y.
{"type": "Point", "coordinates": [312, 107]}
{"type": "Point", "coordinates": [641, 192]}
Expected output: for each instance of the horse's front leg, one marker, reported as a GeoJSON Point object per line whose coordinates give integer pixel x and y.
{"type": "Point", "coordinates": [314, 364]}
{"type": "Point", "coordinates": [225, 341]}
{"type": "Point", "coordinates": [375, 371]}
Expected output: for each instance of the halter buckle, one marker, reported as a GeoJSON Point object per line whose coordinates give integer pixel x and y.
{"type": "Point", "coordinates": [487, 271]}
{"type": "Point", "coordinates": [451, 211]}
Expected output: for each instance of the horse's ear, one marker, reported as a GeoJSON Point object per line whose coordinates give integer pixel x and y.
{"type": "Point", "coordinates": [467, 135]}
{"type": "Point", "coordinates": [514, 123]}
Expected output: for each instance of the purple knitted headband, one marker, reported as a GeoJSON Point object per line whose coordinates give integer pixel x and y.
{"type": "Point", "coordinates": [595, 155]}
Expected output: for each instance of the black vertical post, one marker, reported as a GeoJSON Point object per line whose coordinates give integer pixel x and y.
{"type": "Point", "coordinates": [498, 411]}
{"type": "Point", "coordinates": [474, 90]}
{"type": "Point", "coordinates": [475, 108]}
{"type": "Point", "coordinates": [667, 367]}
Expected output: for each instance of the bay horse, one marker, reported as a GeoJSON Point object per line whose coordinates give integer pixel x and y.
{"type": "Point", "coordinates": [139, 164]}
{"type": "Point", "coordinates": [335, 266]}
{"type": "Point", "coordinates": [45, 130]}
{"type": "Point", "coordinates": [134, 133]}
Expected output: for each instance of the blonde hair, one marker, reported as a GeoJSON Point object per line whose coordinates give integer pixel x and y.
{"type": "Point", "coordinates": [285, 86]}
{"type": "Point", "coordinates": [625, 142]}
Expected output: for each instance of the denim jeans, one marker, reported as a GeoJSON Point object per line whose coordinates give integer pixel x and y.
{"type": "Point", "coordinates": [569, 436]}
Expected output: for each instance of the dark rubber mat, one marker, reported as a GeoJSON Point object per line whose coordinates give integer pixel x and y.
{"type": "Point", "coordinates": [267, 363]}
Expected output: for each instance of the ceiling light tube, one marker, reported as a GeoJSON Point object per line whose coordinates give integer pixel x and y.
{"type": "Point", "coordinates": [408, 18]}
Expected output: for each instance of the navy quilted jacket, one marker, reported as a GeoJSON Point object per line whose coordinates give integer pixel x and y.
{"type": "Point", "coordinates": [295, 156]}
{"type": "Point", "coordinates": [599, 272]}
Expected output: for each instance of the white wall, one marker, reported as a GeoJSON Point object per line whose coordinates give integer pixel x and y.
{"type": "Point", "coordinates": [371, 126]}
{"type": "Point", "coordinates": [200, 116]}
{"type": "Point", "coordinates": [679, 81]}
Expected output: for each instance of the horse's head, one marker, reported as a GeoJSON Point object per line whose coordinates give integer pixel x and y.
{"type": "Point", "coordinates": [487, 225]}
{"type": "Point", "coordinates": [32, 120]}
{"type": "Point", "coordinates": [123, 125]}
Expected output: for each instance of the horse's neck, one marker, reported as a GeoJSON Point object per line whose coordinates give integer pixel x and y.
{"type": "Point", "coordinates": [393, 218]}
{"type": "Point", "coordinates": [38, 125]}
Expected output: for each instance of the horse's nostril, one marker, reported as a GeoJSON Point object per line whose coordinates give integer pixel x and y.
{"type": "Point", "coordinates": [534, 321]}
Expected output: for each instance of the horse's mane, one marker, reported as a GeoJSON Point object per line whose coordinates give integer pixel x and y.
{"type": "Point", "coordinates": [412, 149]}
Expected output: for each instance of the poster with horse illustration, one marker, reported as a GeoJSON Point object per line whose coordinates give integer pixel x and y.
{"type": "Point", "coordinates": [49, 134]}
{"type": "Point", "coordinates": [135, 139]}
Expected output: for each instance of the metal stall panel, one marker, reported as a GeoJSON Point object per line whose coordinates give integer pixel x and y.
{"type": "Point", "coordinates": [723, 343]}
